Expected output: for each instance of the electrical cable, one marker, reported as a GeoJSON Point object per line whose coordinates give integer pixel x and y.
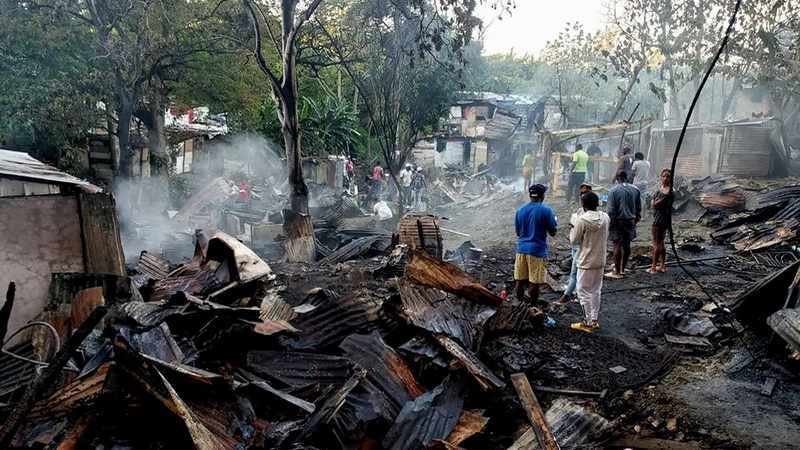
{"type": "Point", "coordinates": [683, 134]}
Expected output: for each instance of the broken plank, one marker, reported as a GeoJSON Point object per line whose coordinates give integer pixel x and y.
{"type": "Point", "coordinates": [331, 406]}
{"type": "Point", "coordinates": [768, 387]}
{"type": "Point", "coordinates": [485, 377]}
{"type": "Point", "coordinates": [599, 394]}
{"type": "Point", "coordinates": [289, 398]}
{"type": "Point", "coordinates": [688, 340]}
{"type": "Point", "coordinates": [534, 412]}
{"type": "Point", "coordinates": [470, 423]}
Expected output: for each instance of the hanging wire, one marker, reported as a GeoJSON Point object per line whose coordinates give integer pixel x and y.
{"type": "Point", "coordinates": [710, 69]}
{"type": "Point", "coordinates": [46, 325]}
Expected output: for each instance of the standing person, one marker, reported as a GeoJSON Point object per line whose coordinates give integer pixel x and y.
{"type": "Point", "coordinates": [594, 151]}
{"type": "Point", "coordinates": [626, 162]}
{"type": "Point", "coordinates": [625, 211]}
{"type": "Point", "coordinates": [580, 161]}
{"type": "Point", "coordinates": [641, 172]}
{"type": "Point", "coordinates": [405, 181]}
{"type": "Point", "coordinates": [527, 170]}
{"type": "Point", "coordinates": [377, 181]}
{"type": "Point", "coordinates": [573, 272]}
{"type": "Point", "coordinates": [418, 186]}
{"type": "Point", "coordinates": [533, 222]}
{"type": "Point", "coordinates": [590, 234]}
{"type": "Point", "coordinates": [662, 218]}
{"type": "Point", "coordinates": [350, 169]}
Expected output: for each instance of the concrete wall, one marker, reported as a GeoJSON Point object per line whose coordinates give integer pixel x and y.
{"type": "Point", "coordinates": [38, 235]}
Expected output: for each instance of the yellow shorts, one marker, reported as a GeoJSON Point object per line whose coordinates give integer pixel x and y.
{"type": "Point", "coordinates": [530, 268]}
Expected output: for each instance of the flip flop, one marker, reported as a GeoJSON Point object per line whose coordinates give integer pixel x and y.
{"type": "Point", "coordinates": [652, 271]}
{"type": "Point", "coordinates": [664, 270]}
{"type": "Point", "coordinates": [614, 276]}
{"type": "Point", "coordinates": [580, 326]}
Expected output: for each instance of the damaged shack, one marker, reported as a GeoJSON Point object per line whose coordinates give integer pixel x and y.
{"type": "Point", "coordinates": [51, 222]}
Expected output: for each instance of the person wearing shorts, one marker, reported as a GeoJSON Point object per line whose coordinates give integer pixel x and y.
{"type": "Point", "coordinates": [662, 218]}
{"type": "Point", "coordinates": [625, 211]}
{"type": "Point", "coordinates": [533, 222]}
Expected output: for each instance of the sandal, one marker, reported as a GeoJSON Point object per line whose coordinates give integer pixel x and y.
{"type": "Point", "coordinates": [595, 325]}
{"type": "Point", "coordinates": [663, 270]}
{"type": "Point", "coordinates": [652, 271]}
{"type": "Point", "coordinates": [614, 276]}
{"type": "Point", "coordinates": [580, 326]}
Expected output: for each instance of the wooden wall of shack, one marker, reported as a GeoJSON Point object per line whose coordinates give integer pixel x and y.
{"type": "Point", "coordinates": [45, 234]}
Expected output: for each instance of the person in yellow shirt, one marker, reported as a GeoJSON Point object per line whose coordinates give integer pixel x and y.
{"type": "Point", "coordinates": [527, 170]}
{"type": "Point", "coordinates": [580, 164]}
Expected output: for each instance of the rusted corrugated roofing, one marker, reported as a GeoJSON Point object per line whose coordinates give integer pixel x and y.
{"type": "Point", "coordinates": [336, 318]}
{"type": "Point", "coordinates": [389, 383]}
{"type": "Point", "coordinates": [23, 165]}
{"type": "Point", "coordinates": [430, 416]}
{"type": "Point", "coordinates": [431, 310]}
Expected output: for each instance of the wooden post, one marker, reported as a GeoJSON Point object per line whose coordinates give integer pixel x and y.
{"type": "Point", "coordinates": [534, 411]}
{"type": "Point", "coordinates": [5, 312]}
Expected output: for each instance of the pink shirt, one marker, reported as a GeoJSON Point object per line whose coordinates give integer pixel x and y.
{"type": "Point", "coordinates": [377, 173]}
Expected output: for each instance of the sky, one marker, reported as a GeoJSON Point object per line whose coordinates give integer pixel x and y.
{"type": "Point", "coordinates": [533, 22]}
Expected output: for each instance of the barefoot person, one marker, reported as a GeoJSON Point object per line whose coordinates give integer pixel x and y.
{"type": "Point", "coordinates": [590, 235]}
{"type": "Point", "coordinates": [662, 217]}
{"type": "Point", "coordinates": [569, 290]}
{"type": "Point", "coordinates": [533, 223]}
{"type": "Point", "coordinates": [625, 211]}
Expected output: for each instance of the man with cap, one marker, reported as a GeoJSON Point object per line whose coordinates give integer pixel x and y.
{"type": "Point", "coordinates": [533, 223]}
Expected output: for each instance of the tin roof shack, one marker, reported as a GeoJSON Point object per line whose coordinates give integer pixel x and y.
{"type": "Point", "coordinates": [476, 132]}
{"type": "Point", "coordinates": [51, 222]}
{"type": "Point", "coordinates": [743, 149]}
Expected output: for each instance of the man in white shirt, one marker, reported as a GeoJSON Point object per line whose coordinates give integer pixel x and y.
{"type": "Point", "coordinates": [406, 175]}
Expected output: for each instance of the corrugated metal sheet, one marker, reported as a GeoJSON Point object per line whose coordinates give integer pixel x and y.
{"type": "Point", "coordinates": [300, 370]}
{"type": "Point", "coordinates": [691, 161]}
{"type": "Point", "coordinates": [153, 266]}
{"type": "Point", "coordinates": [502, 125]}
{"type": "Point", "coordinates": [431, 239]}
{"type": "Point", "coordinates": [14, 373]}
{"type": "Point", "coordinates": [22, 165]}
{"type": "Point", "coordinates": [430, 416]}
{"type": "Point", "coordinates": [336, 318]}
{"type": "Point", "coordinates": [389, 383]}
{"type": "Point", "coordinates": [573, 426]}
{"type": "Point", "coordinates": [432, 310]}
{"type": "Point", "coordinates": [746, 151]}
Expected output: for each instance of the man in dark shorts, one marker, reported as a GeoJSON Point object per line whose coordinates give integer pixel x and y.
{"type": "Point", "coordinates": [662, 217]}
{"type": "Point", "coordinates": [625, 211]}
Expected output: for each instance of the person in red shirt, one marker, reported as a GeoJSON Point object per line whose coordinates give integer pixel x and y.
{"type": "Point", "coordinates": [377, 180]}
{"type": "Point", "coordinates": [245, 192]}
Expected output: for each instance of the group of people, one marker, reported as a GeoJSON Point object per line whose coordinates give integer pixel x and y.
{"type": "Point", "coordinates": [590, 230]}
{"type": "Point", "coordinates": [412, 181]}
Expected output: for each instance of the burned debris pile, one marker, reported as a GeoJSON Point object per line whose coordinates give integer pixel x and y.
{"type": "Point", "coordinates": [223, 352]}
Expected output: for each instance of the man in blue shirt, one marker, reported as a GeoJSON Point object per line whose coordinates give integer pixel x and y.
{"type": "Point", "coordinates": [533, 223]}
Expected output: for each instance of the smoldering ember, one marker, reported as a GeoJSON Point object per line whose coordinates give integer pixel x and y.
{"type": "Point", "coordinates": [391, 224]}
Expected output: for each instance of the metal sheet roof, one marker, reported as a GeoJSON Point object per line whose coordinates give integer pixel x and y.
{"type": "Point", "coordinates": [23, 165]}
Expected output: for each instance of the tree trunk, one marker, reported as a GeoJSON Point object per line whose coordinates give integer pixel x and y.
{"type": "Point", "coordinates": [124, 117]}
{"type": "Point", "coordinates": [673, 101]}
{"type": "Point", "coordinates": [157, 139]}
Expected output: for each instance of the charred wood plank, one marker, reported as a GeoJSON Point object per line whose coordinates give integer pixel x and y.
{"type": "Point", "coordinates": [49, 375]}
{"type": "Point", "coordinates": [331, 406]}
{"type": "Point", "coordinates": [485, 377]}
{"type": "Point", "coordinates": [534, 412]}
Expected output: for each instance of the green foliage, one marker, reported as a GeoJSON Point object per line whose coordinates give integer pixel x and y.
{"type": "Point", "coordinates": [48, 92]}
{"type": "Point", "coordinates": [329, 125]}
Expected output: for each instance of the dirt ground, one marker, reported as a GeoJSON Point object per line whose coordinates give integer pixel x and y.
{"type": "Point", "coordinates": [713, 394]}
